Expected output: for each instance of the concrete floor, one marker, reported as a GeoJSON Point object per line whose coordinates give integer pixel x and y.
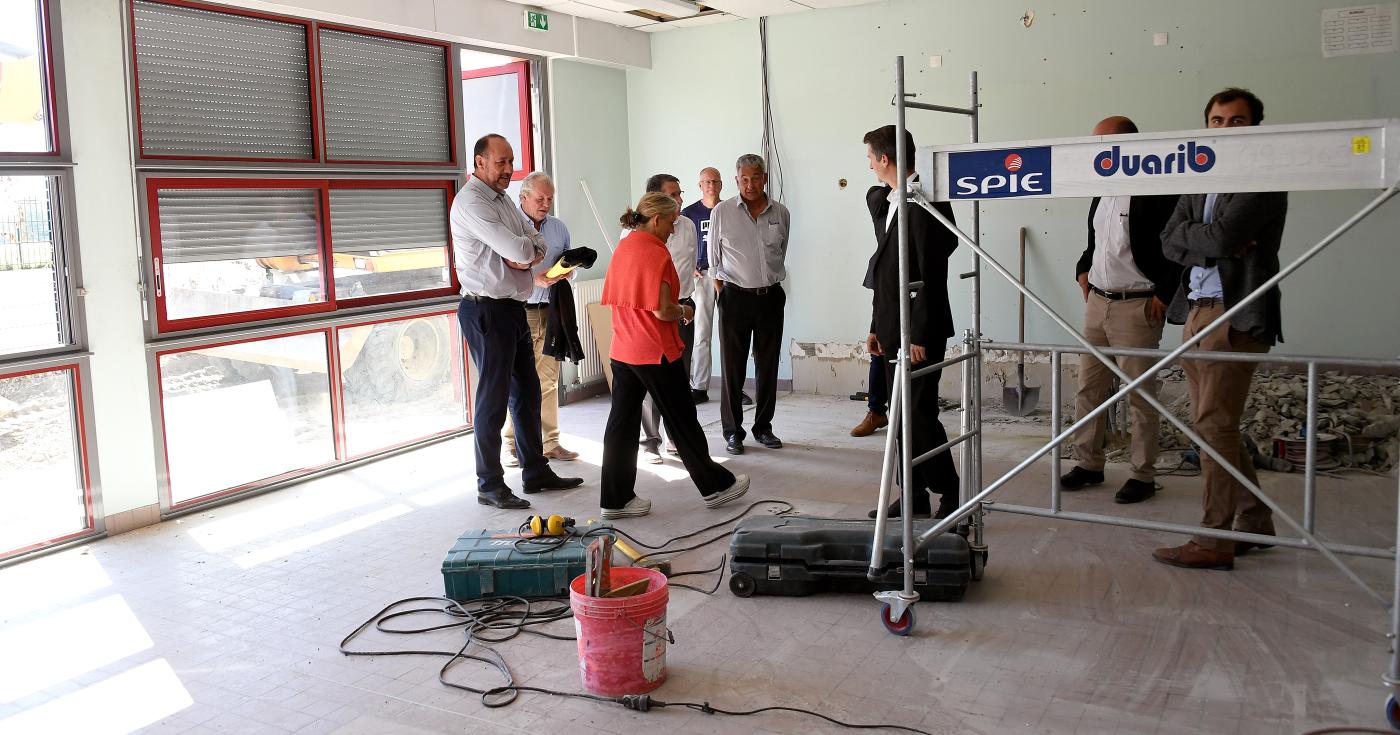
{"type": "Point", "coordinates": [228, 620]}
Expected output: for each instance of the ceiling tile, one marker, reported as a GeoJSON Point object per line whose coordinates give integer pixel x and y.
{"type": "Point", "coordinates": [593, 12]}
{"type": "Point", "coordinates": [819, 4]}
{"type": "Point", "coordinates": [756, 8]}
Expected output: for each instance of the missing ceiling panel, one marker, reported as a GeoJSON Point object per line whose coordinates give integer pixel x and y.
{"type": "Point", "coordinates": [656, 11]}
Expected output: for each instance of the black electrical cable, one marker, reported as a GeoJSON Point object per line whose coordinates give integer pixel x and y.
{"type": "Point", "coordinates": [770, 141]}
{"type": "Point", "coordinates": [515, 615]}
{"type": "Point", "coordinates": [494, 620]}
{"type": "Point", "coordinates": [544, 544]}
{"type": "Point", "coordinates": [670, 582]}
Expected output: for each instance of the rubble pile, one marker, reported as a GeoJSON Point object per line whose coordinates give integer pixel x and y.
{"type": "Point", "coordinates": [1358, 416]}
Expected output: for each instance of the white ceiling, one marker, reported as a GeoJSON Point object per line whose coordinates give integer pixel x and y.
{"type": "Point", "coordinates": [615, 11]}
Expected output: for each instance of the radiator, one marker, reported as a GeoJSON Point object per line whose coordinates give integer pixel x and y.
{"type": "Point", "coordinates": [585, 293]}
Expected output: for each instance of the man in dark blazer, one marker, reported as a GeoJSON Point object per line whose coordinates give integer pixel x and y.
{"type": "Point", "coordinates": [1229, 245]}
{"type": "Point", "coordinates": [930, 319]}
{"type": "Point", "coordinates": [1127, 284]}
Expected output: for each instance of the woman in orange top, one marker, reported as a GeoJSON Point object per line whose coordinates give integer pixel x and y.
{"type": "Point", "coordinates": [641, 288]}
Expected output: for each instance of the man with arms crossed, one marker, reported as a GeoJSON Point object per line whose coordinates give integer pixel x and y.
{"type": "Point", "coordinates": [494, 249]}
{"type": "Point", "coordinates": [1229, 246]}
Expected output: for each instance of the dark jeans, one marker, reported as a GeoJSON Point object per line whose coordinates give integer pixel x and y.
{"type": "Point", "coordinates": [498, 339]}
{"type": "Point", "coordinates": [668, 384]}
{"type": "Point", "coordinates": [937, 475]}
{"type": "Point", "coordinates": [651, 416]}
{"type": "Point", "coordinates": [748, 318]}
{"type": "Point", "coordinates": [878, 394]}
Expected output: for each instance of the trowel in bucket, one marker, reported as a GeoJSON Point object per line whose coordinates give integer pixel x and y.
{"type": "Point", "coordinates": [1021, 400]}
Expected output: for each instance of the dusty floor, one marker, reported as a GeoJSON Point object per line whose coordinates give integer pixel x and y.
{"type": "Point", "coordinates": [228, 620]}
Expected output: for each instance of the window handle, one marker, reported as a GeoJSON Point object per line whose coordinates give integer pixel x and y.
{"type": "Point", "coordinates": [156, 261]}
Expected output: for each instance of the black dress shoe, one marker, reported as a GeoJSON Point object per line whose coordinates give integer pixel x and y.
{"type": "Point", "coordinates": [699, 396]}
{"type": "Point", "coordinates": [768, 440]}
{"type": "Point", "coordinates": [734, 445]}
{"type": "Point", "coordinates": [919, 512]}
{"type": "Point", "coordinates": [1135, 491]}
{"type": "Point", "coordinates": [1079, 477]}
{"type": "Point", "coordinates": [946, 505]}
{"type": "Point", "coordinates": [503, 499]}
{"type": "Point", "coordinates": [745, 400]}
{"type": "Point", "coordinates": [552, 483]}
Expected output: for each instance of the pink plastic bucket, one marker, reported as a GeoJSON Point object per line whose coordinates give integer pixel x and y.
{"type": "Point", "coordinates": [622, 640]}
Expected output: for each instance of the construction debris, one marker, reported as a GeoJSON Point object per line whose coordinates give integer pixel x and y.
{"type": "Point", "coordinates": [1357, 417]}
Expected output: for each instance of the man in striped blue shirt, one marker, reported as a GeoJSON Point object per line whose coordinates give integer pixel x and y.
{"type": "Point", "coordinates": [536, 199]}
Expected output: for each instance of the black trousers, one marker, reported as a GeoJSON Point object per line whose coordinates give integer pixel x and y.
{"type": "Point", "coordinates": [748, 318]}
{"type": "Point", "coordinates": [498, 339]}
{"type": "Point", "coordinates": [877, 392]}
{"type": "Point", "coordinates": [651, 416]}
{"type": "Point", "coordinates": [668, 384]}
{"type": "Point", "coordinates": [937, 475]}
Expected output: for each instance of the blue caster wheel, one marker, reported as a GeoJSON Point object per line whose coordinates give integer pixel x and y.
{"type": "Point", "coordinates": [905, 624]}
{"type": "Point", "coordinates": [1392, 711]}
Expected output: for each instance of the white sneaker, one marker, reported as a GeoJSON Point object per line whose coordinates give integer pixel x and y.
{"type": "Point", "coordinates": [510, 459]}
{"type": "Point", "coordinates": [737, 490]}
{"type": "Point", "coordinates": [635, 508]}
{"type": "Point", "coordinates": [652, 458]}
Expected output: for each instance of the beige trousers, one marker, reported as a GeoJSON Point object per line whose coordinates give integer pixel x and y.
{"type": "Point", "coordinates": [1109, 323]}
{"type": "Point", "coordinates": [1218, 393]}
{"type": "Point", "coordinates": [548, 369]}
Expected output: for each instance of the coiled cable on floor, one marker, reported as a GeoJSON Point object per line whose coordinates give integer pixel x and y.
{"type": "Point", "coordinates": [495, 620]}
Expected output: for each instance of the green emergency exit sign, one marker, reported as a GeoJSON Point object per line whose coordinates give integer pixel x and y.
{"type": "Point", "coordinates": [536, 21]}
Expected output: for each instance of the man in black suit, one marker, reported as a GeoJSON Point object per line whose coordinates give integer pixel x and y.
{"type": "Point", "coordinates": [930, 319]}
{"type": "Point", "coordinates": [1127, 283]}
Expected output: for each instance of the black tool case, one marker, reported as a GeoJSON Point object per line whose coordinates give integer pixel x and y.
{"type": "Point", "coordinates": [800, 555]}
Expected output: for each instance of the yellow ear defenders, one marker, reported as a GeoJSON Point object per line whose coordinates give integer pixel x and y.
{"type": "Point", "coordinates": [551, 525]}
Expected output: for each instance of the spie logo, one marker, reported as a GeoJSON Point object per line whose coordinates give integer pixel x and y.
{"type": "Point", "coordinates": [999, 174]}
{"type": "Point", "coordinates": [1189, 157]}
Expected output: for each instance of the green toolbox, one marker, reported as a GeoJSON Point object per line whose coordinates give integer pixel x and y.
{"type": "Point", "coordinates": [487, 563]}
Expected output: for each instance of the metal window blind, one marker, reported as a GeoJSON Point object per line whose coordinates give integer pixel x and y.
{"type": "Point", "coordinates": [198, 225]}
{"type": "Point", "coordinates": [388, 219]}
{"type": "Point", "coordinates": [217, 84]}
{"type": "Point", "coordinates": [384, 99]}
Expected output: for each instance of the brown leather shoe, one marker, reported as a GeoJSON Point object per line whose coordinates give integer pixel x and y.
{"type": "Point", "coordinates": [870, 424]}
{"type": "Point", "coordinates": [1192, 556]}
{"type": "Point", "coordinates": [561, 454]}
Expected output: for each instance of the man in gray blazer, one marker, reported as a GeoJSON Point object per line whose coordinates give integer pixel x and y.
{"type": "Point", "coordinates": [1229, 246]}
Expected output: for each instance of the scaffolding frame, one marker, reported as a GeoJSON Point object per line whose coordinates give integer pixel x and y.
{"type": "Point", "coordinates": [972, 506]}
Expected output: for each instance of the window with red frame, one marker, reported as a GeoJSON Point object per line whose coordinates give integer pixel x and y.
{"type": "Point", "coordinates": [43, 460]}
{"type": "Point", "coordinates": [497, 100]}
{"type": "Point", "coordinates": [220, 83]}
{"type": "Point", "coordinates": [297, 402]}
{"type": "Point", "coordinates": [231, 251]}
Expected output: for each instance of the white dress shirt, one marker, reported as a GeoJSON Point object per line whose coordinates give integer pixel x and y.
{"type": "Point", "coordinates": [746, 251]}
{"type": "Point", "coordinates": [1113, 267]}
{"type": "Point", "coordinates": [487, 230]}
{"type": "Point", "coordinates": [894, 200]}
